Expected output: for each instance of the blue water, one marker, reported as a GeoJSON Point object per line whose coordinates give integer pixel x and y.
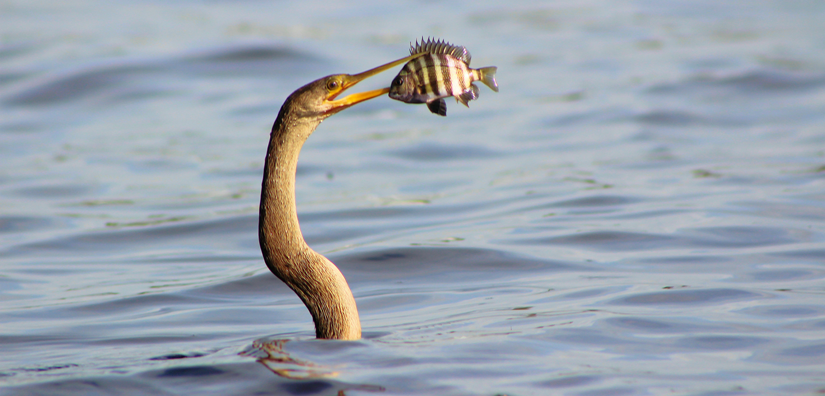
{"type": "Point", "coordinates": [639, 211]}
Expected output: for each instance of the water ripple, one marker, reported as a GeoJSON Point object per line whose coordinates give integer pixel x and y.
{"type": "Point", "coordinates": [687, 297]}
{"type": "Point", "coordinates": [705, 237]}
{"type": "Point", "coordinates": [753, 82]}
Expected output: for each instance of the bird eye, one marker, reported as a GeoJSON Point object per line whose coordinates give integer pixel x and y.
{"type": "Point", "coordinates": [332, 85]}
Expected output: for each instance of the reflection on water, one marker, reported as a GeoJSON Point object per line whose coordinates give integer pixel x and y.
{"type": "Point", "coordinates": [638, 211]}
{"type": "Point", "coordinates": [271, 354]}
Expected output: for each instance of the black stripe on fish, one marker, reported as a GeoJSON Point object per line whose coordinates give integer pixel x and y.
{"type": "Point", "coordinates": [455, 71]}
{"type": "Point", "coordinates": [432, 75]}
{"type": "Point", "coordinates": [420, 73]}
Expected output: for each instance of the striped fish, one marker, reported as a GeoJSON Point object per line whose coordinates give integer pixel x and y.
{"type": "Point", "coordinates": [443, 72]}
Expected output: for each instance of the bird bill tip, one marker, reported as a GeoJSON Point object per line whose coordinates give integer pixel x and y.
{"type": "Point", "coordinates": [375, 70]}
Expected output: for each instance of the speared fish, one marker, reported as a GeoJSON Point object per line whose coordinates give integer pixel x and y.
{"type": "Point", "coordinates": [443, 72]}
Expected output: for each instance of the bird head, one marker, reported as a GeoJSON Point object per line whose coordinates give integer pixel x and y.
{"type": "Point", "coordinates": [320, 97]}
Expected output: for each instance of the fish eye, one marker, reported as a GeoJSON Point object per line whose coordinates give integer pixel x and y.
{"type": "Point", "coordinates": [398, 81]}
{"type": "Point", "coordinates": [332, 85]}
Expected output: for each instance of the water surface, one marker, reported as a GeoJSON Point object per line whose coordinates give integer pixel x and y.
{"type": "Point", "coordinates": [640, 210]}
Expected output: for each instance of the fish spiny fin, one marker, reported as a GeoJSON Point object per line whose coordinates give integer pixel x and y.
{"type": "Point", "coordinates": [438, 107]}
{"type": "Point", "coordinates": [440, 47]}
{"type": "Point", "coordinates": [468, 95]}
{"type": "Point", "coordinates": [487, 75]}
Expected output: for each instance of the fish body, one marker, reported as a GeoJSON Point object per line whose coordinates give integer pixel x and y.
{"type": "Point", "coordinates": [443, 71]}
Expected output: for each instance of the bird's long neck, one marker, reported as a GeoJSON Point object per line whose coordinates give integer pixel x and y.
{"type": "Point", "coordinates": [316, 280]}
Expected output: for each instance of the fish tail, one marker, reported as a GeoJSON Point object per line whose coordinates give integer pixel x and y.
{"type": "Point", "coordinates": [487, 75]}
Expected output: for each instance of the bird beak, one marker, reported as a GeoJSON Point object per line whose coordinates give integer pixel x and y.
{"type": "Point", "coordinates": [351, 79]}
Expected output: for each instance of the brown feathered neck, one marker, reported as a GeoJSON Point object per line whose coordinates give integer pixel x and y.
{"type": "Point", "coordinates": [315, 279]}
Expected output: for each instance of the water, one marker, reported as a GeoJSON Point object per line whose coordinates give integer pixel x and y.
{"type": "Point", "coordinates": [640, 210]}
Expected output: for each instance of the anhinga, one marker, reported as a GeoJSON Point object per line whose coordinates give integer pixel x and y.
{"type": "Point", "coordinates": [315, 279]}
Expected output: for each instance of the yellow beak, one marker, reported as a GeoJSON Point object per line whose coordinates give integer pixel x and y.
{"type": "Point", "coordinates": [351, 79]}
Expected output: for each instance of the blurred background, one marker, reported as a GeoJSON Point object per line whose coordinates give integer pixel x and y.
{"type": "Point", "coordinates": [639, 210]}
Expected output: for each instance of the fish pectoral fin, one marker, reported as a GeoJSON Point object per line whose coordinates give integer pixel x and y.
{"type": "Point", "coordinates": [438, 107]}
{"type": "Point", "coordinates": [468, 95]}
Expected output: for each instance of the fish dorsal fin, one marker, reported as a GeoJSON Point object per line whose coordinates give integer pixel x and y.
{"type": "Point", "coordinates": [440, 47]}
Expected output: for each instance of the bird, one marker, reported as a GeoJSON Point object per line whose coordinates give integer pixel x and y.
{"type": "Point", "coordinates": [314, 278]}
